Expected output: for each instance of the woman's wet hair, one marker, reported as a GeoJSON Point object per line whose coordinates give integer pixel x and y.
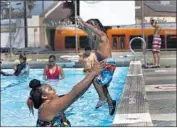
{"type": "Point", "coordinates": [34, 84]}
{"type": "Point", "coordinates": [35, 95]}
{"type": "Point", "coordinates": [22, 56]}
{"type": "Point", "coordinates": [52, 56]}
{"type": "Point", "coordinates": [96, 22]}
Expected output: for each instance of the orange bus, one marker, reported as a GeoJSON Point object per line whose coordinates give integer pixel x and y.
{"type": "Point", "coordinates": [64, 38]}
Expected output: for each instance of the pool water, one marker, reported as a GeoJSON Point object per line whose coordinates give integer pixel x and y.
{"type": "Point", "coordinates": [15, 91]}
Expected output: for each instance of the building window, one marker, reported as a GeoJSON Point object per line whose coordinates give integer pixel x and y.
{"type": "Point", "coordinates": [118, 42]}
{"type": "Point", "coordinates": [114, 43]}
{"type": "Point", "coordinates": [122, 42]}
{"type": "Point", "coordinates": [70, 42]}
{"type": "Point", "coordinates": [84, 41]}
{"type": "Point", "coordinates": [172, 41]}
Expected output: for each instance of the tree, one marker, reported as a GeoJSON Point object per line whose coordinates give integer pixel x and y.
{"type": "Point", "coordinates": [30, 5]}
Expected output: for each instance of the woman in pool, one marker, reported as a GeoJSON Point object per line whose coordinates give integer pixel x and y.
{"type": "Point", "coordinates": [53, 71]}
{"type": "Point", "coordinates": [19, 69]}
{"type": "Point", "coordinates": [94, 28]}
{"type": "Point", "coordinates": [50, 106]}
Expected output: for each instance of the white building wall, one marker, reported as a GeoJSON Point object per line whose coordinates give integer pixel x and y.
{"type": "Point", "coordinates": [17, 37]}
{"type": "Point", "coordinates": [18, 40]}
{"type": "Point", "coordinates": [33, 33]}
{"type": "Point", "coordinates": [4, 39]}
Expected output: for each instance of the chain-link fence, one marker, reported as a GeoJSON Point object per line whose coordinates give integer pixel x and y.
{"type": "Point", "coordinates": [23, 25]}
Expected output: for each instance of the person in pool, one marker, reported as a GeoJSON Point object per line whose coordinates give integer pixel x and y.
{"type": "Point", "coordinates": [94, 28]}
{"type": "Point", "coordinates": [20, 69]}
{"type": "Point", "coordinates": [53, 71]}
{"type": "Point", "coordinates": [51, 107]}
{"type": "Point", "coordinates": [88, 58]}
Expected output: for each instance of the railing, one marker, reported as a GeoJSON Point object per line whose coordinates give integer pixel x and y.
{"type": "Point", "coordinates": [143, 48]}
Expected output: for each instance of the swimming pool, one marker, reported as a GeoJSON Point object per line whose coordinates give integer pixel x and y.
{"type": "Point", "coordinates": [15, 91]}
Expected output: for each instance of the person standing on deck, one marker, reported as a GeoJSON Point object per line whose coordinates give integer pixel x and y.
{"type": "Point", "coordinates": [156, 44]}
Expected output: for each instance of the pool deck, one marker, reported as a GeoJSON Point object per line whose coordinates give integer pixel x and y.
{"type": "Point", "coordinates": [133, 107]}
{"type": "Point", "coordinates": [149, 96]}
{"type": "Point", "coordinates": [160, 86]}
{"type": "Point", "coordinates": [40, 60]}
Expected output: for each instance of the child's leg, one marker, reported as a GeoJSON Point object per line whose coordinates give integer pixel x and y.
{"type": "Point", "coordinates": [111, 103]}
{"type": "Point", "coordinates": [99, 90]}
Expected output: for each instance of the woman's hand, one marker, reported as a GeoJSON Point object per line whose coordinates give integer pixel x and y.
{"type": "Point", "coordinates": [103, 63]}
{"type": "Point", "coordinates": [98, 67]}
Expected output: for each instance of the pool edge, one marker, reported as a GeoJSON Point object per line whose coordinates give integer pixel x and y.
{"type": "Point", "coordinates": [38, 65]}
{"type": "Point", "coordinates": [132, 109]}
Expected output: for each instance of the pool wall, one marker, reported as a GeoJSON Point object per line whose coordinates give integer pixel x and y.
{"type": "Point", "coordinates": [39, 65]}
{"type": "Point", "coordinates": [133, 107]}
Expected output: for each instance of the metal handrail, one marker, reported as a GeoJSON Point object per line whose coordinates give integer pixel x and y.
{"type": "Point", "coordinates": [144, 48]}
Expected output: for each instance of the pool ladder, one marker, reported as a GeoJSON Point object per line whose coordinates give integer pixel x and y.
{"type": "Point", "coordinates": [143, 42]}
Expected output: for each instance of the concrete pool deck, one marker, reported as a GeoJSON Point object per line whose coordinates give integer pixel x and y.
{"type": "Point", "coordinates": [133, 108]}
{"type": "Point", "coordinates": [40, 60]}
{"type": "Point", "coordinates": [151, 100]}
{"type": "Point", "coordinates": [149, 97]}
{"type": "Point", "coordinates": [122, 58]}
{"type": "Point", "coordinates": [160, 86]}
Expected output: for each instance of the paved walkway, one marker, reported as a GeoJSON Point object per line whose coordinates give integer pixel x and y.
{"type": "Point", "coordinates": [160, 85]}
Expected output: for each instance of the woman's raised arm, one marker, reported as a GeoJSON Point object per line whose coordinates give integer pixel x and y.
{"type": "Point", "coordinates": [59, 105]}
